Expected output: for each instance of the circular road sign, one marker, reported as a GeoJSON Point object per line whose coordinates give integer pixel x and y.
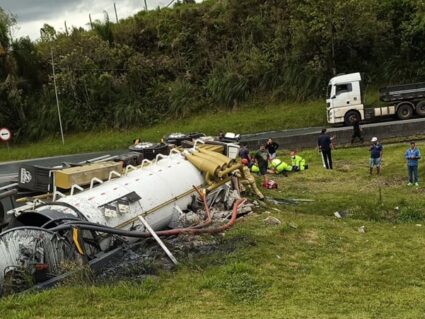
{"type": "Point", "coordinates": [5, 134]}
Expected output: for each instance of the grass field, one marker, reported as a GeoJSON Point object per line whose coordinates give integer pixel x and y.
{"type": "Point", "coordinates": [313, 265]}
{"type": "Point", "coordinates": [248, 119]}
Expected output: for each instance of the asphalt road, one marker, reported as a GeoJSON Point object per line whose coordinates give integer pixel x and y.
{"type": "Point", "coordinates": [9, 170]}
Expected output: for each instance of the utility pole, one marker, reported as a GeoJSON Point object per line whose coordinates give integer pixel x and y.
{"type": "Point", "coordinates": [57, 97]}
{"type": "Point", "coordinates": [116, 14]}
{"type": "Point", "coordinates": [146, 6]}
{"type": "Point", "coordinates": [91, 22]}
{"type": "Point", "coordinates": [66, 28]}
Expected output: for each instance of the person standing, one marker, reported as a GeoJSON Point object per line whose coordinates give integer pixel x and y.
{"type": "Point", "coordinates": [325, 145]}
{"type": "Point", "coordinates": [271, 148]}
{"type": "Point", "coordinates": [357, 131]}
{"type": "Point", "coordinates": [244, 153]}
{"type": "Point", "coordinates": [413, 155]}
{"type": "Point", "coordinates": [376, 151]}
{"type": "Point", "coordinates": [262, 161]}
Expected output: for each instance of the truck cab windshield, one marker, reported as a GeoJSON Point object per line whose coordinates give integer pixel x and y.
{"type": "Point", "coordinates": [328, 93]}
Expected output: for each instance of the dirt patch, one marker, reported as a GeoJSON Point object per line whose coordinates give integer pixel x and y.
{"type": "Point", "coordinates": [138, 261]}
{"type": "Point", "coordinates": [310, 237]}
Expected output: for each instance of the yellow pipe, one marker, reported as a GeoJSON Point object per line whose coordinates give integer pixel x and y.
{"type": "Point", "coordinates": [203, 165]}
{"type": "Point", "coordinates": [229, 170]}
{"type": "Point", "coordinates": [222, 164]}
{"type": "Point", "coordinates": [218, 184]}
{"type": "Point", "coordinates": [219, 156]}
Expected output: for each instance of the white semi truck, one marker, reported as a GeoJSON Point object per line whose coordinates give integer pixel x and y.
{"type": "Point", "coordinates": [345, 100]}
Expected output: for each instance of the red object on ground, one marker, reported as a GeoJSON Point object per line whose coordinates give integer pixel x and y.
{"type": "Point", "coordinates": [270, 184]}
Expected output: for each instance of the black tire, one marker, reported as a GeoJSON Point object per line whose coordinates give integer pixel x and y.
{"type": "Point", "coordinates": [150, 150]}
{"type": "Point", "coordinates": [404, 111]}
{"type": "Point", "coordinates": [420, 108]}
{"type": "Point", "coordinates": [351, 117]}
{"type": "Point", "coordinates": [178, 138]}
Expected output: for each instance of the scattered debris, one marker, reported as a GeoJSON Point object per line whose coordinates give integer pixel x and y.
{"type": "Point", "coordinates": [231, 198]}
{"type": "Point", "coordinates": [272, 221]}
{"type": "Point", "coordinates": [341, 214]}
{"type": "Point", "coordinates": [293, 225]}
{"type": "Point", "coordinates": [270, 184]}
{"type": "Point", "coordinates": [288, 201]}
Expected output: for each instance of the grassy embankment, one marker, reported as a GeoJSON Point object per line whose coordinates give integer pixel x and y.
{"type": "Point", "coordinates": [248, 119]}
{"type": "Point", "coordinates": [313, 265]}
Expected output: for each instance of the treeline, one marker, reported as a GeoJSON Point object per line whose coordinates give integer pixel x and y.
{"type": "Point", "coordinates": [170, 63]}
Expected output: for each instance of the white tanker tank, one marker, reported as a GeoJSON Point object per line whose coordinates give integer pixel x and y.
{"type": "Point", "coordinates": [156, 191]}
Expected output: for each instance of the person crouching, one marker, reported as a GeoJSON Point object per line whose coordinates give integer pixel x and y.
{"type": "Point", "coordinates": [280, 167]}
{"type": "Point", "coordinates": [297, 162]}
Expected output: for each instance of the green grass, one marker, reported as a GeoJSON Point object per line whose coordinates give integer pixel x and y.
{"type": "Point", "coordinates": [313, 265]}
{"type": "Point", "coordinates": [247, 119]}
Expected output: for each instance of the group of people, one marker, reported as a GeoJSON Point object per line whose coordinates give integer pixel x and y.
{"type": "Point", "coordinates": [412, 154]}
{"type": "Point", "coordinates": [266, 161]}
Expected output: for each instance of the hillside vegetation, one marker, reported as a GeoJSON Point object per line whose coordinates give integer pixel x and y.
{"type": "Point", "coordinates": [216, 55]}
{"type": "Point", "coordinates": [313, 265]}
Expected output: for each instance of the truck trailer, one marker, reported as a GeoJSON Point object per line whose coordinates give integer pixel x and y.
{"type": "Point", "coordinates": [346, 104]}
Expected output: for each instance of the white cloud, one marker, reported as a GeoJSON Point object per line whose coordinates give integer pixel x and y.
{"type": "Point", "coordinates": [33, 14]}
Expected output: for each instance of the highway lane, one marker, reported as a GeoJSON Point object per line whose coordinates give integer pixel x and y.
{"type": "Point", "coordinates": [9, 170]}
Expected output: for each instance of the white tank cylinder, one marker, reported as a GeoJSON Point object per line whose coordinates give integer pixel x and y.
{"type": "Point", "coordinates": [159, 187]}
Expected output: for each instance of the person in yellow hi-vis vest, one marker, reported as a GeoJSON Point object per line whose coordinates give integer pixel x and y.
{"type": "Point", "coordinates": [280, 167]}
{"type": "Point", "coordinates": [255, 169]}
{"type": "Point", "coordinates": [298, 163]}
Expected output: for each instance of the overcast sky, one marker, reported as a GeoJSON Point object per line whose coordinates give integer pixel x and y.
{"type": "Point", "coordinates": [32, 14]}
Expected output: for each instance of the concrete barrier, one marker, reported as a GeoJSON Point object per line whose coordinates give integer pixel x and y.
{"type": "Point", "coordinates": [307, 138]}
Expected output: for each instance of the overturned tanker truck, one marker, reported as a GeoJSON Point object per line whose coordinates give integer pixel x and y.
{"type": "Point", "coordinates": [41, 236]}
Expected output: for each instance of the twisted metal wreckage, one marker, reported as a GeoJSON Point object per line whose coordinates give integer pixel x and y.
{"type": "Point", "coordinates": [133, 203]}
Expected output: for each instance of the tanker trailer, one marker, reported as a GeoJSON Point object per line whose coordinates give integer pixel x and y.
{"type": "Point", "coordinates": [42, 236]}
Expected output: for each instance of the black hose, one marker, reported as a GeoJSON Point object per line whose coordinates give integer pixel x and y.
{"type": "Point", "coordinates": [99, 228]}
{"type": "Point", "coordinates": [58, 219]}
{"type": "Point", "coordinates": [63, 204]}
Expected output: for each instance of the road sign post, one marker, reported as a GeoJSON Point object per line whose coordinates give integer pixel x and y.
{"type": "Point", "coordinates": [5, 136]}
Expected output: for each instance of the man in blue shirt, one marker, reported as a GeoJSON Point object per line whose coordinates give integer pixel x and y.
{"type": "Point", "coordinates": [376, 150]}
{"type": "Point", "coordinates": [413, 156]}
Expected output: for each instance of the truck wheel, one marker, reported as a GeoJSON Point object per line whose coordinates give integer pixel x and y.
{"type": "Point", "coordinates": [420, 108]}
{"type": "Point", "coordinates": [351, 117]}
{"type": "Point", "coordinates": [404, 112]}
